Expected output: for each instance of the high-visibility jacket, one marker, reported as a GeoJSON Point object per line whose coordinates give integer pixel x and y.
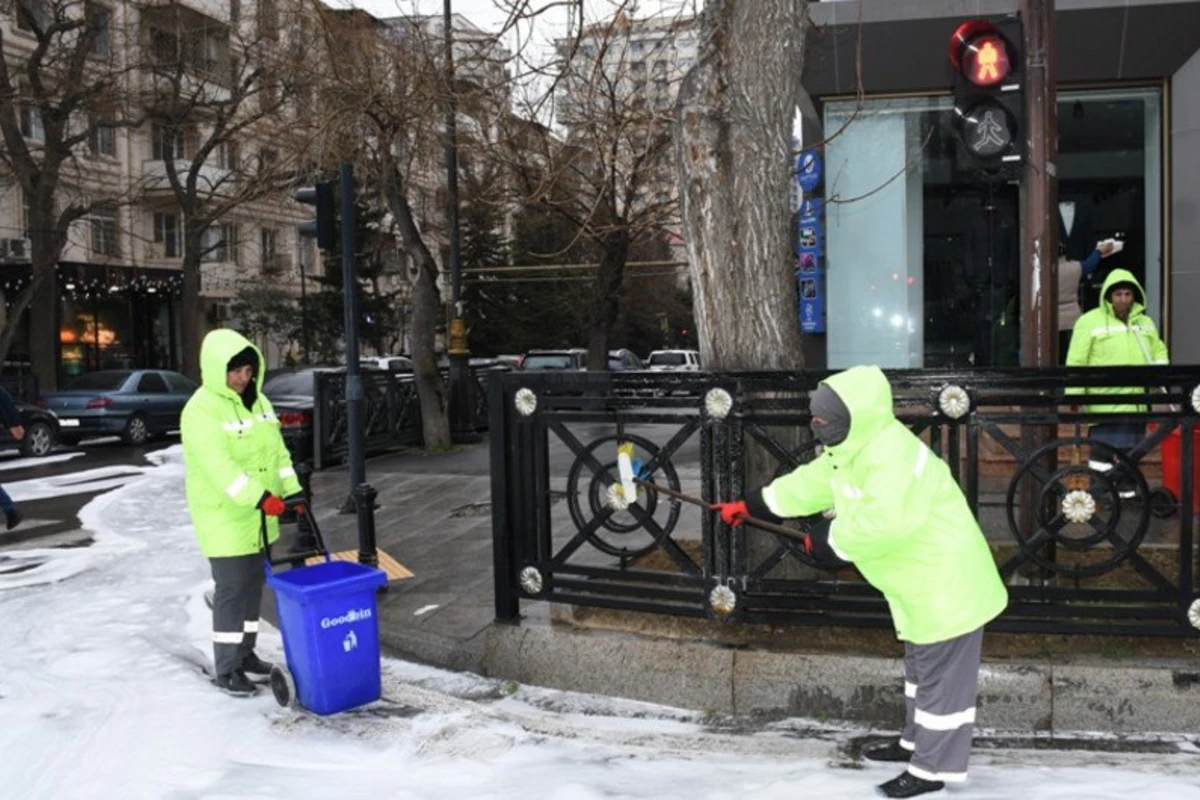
{"type": "Point", "coordinates": [1101, 339]}
{"type": "Point", "coordinates": [233, 455]}
{"type": "Point", "coordinates": [900, 517]}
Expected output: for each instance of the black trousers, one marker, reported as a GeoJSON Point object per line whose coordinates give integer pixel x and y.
{"type": "Point", "coordinates": [236, 602]}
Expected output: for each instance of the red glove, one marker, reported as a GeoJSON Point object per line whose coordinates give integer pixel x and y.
{"type": "Point", "coordinates": [732, 513]}
{"type": "Point", "coordinates": [271, 505]}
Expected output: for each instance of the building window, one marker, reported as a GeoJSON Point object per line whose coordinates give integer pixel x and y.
{"type": "Point", "coordinates": [168, 143]}
{"type": "Point", "coordinates": [270, 255]}
{"type": "Point", "coordinates": [34, 15]}
{"type": "Point", "coordinates": [220, 244]}
{"type": "Point", "coordinates": [268, 157]}
{"type": "Point", "coordinates": [164, 47]}
{"type": "Point", "coordinates": [31, 123]}
{"type": "Point", "coordinates": [922, 268]}
{"type": "Point", "coordinates": [102, 141]}
{"type": "Point", "coordinates": [104, 231]}
{"type": "Point", "coordinates": [227, 155]}
{"type": "Point", "coordinates": [100, 29]}
{"type": "Point", "coordinates": [166, 234]}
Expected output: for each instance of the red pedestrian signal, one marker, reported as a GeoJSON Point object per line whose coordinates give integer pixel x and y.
{"type": "Point", "coordinates": [988, 103]}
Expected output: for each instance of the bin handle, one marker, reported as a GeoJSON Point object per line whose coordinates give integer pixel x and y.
{"type": "Point", "coordinates": [294, 559]}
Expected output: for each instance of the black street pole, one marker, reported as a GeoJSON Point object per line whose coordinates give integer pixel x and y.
{"type": "Point", "coordinates": [303, 312]}
{"type": "Point", "coordinates": [462, 427]}
{"type": "Point", "coordinates": [354, 390]}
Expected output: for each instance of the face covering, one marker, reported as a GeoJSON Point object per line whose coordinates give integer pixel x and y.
{"type": "Point", "coordinates": [831, 418]}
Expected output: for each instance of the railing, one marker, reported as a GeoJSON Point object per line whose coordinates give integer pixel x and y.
{"type": "Point", "coordinates": [391, 412]}
{"type": "Point", "coordinates": [1078, 556]}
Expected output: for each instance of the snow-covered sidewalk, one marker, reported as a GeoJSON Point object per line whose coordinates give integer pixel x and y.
{"type": "Point", "coordinates": [102, 696]}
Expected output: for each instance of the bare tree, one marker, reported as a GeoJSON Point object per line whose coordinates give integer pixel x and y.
{"type": "Point", "coordinates": [612, 176]}
{"type": "Point", "coordinates": [62, 86]}
{"type": "Point", "coordinates": [228, 102]}
{"type": "Point", "coordinates": [735, 115]}
{"type": "Point", "coordinates": [384, 91]}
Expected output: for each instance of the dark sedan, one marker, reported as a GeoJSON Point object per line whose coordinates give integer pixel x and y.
{"type": "Point", "coordinates": [291, 392]}
{"type": "Point", "coordinates": [41, 431]}
{"type": "Point", "coordinates": [133, 404]}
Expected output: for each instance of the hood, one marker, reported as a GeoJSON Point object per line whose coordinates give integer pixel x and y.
{"type": "Point", "coordinates": [868, 396]}
{"type": "Point", "coordinates": [1123, 276]}
{"type": "Point", "coordinates": [219, 346]}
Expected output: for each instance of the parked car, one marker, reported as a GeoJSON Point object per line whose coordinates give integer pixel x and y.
{"type": "Point", "coordinates": [293, 394]}
{"type": "Point", "coordinates": [133, 404]}
{"type": "Point", "coordinates": [623, 360]}
{"type": "Point", "coordinates": [569, 359]}
{"type": "Point", "coordinates": [387, 363]}
{"type": "Point", "coordinates": [674, 360]}
{"type": "Point", "coordinates": [41, 431]}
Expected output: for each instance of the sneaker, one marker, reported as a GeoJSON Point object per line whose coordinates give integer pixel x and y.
{"type": "Point", "coordinates": [887, 751]}
{"type": "Point", "coordinates": [908, 785]}
{"type": "Point", "coordinates": [12, 519]}
{"type": "Point", "coordinates": [252, 665]}
{"type": "Point", "coordinates": [236, 684]}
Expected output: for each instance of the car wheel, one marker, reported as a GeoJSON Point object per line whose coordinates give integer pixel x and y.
{"type": "Point", "coordinates": [136, 430]}
{"type": "Point", "coordinates": [38, 441]}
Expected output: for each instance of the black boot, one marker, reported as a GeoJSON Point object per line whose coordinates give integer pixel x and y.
{"type": "Point", "coordinates": [908, 785]}
{"type": "Point", "coordinates": [254, 666]}
{"type": "Point", "coordinates": [236, 684]}
{"type": "Point", "coordinates": [12, 519]}
{"type": "Point", "coordinates": [886, 751]}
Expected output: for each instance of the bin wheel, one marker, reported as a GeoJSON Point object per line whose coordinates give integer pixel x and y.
{"type": "Point", "coordinates": [1163, 503]}
{"type": "Point", "coordinates": [282, 686]}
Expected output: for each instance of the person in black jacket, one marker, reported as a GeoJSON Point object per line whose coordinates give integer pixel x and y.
{"type": "Point", "coordinates": [11, 417]}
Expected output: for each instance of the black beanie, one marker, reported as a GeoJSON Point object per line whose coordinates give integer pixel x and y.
{"type": "Point", "coordinates": [245, 358]}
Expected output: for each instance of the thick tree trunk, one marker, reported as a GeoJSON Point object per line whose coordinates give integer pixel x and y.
{"type": "Point", "coordinates": [606, 302]}
{"type": "Point", "coordinates": [735, 116]}
{"type": "Point", "coordinates": [191, 314]}
{"type": "Point", "coordinates": [734, 135]}
{"type": "Point", "coordinates": [427, 313]}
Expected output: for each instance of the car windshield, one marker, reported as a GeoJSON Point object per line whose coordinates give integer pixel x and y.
{"type": "Point", "coordinates": [98, 382]}
{"type": "Point", "coordinates": [300, 383]}
{"type": "Point", "coordinates": [548, 361]}
{"type": "Point", "coordinates": [667, 360]}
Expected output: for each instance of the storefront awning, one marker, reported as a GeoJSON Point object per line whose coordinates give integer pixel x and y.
{"type": "Point", "coordinates": [904, 42]}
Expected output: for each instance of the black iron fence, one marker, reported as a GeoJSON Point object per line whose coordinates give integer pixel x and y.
{"type": "Point", "coordinates": [1089, 538]}
{"type": "Point", "coordinates": [391, 416]}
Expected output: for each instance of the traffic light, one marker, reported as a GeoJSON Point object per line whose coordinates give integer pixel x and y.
{"type": "Point", "coordinates": [989, 110]}
{"type": "Point", "coordinates": [324, 227]}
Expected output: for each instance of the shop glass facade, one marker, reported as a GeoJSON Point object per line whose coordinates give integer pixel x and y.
{"type": "Point", "coordinates": [923, 256]}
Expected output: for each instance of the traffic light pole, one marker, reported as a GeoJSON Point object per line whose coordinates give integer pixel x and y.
{"type": "Point", "coordinates": [1039, 232]}
{"type": "Point", "coordinates": [1039, 188]}
{"type": "Point", "coordinates": [354, 390]}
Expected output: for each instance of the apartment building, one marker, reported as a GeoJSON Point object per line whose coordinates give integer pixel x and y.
{"type": "Point", "coordinates": [615, 101]}
{"type": "Point", "coordinates": [179, 65]}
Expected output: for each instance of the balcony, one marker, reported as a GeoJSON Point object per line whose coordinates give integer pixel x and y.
{"type": "Point", "coordinates": [211, 180]}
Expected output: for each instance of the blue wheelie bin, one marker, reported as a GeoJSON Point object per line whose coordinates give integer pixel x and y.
{"type": "Point", "coordinates": [330, 627]}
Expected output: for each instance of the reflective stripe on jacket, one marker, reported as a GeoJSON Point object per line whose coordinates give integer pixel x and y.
{"type": "Point", "coordinates": [1101, 339]}
{"type": "Point", "coordinates": [232, 454]}
{"type": "Point", "coordinates": [900, 517]}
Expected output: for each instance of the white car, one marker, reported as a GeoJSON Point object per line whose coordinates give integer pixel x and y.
{"type": "Point", "coordinates": [387, 363]}
{"type": "Point", "coordinates": [674, 361]}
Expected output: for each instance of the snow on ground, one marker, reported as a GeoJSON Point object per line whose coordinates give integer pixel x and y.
{"type": "Point", "coordinates": [102, 696]}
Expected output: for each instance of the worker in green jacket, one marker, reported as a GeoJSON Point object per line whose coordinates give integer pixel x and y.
{"type": "Point", "coordinates": [238, 469]}
{"type": "Point", "coordinates": [901, 519]}
{"type": "Point", "coordinates": [1116, 333]}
